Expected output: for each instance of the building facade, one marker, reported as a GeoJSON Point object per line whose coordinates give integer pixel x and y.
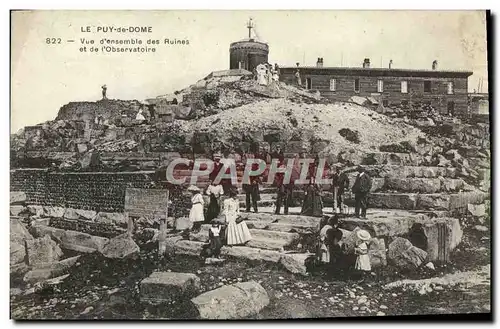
{"type": "Point", "coordinates": [444, 90]}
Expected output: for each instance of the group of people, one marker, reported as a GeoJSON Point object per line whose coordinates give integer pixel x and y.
{"type": "Point", "coordinates": [266, 75]}
{"type": "Point", "coordinates": [227, 225]}
{"type": "Point", "coordinates": [332, 255]}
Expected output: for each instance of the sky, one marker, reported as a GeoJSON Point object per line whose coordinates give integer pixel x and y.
{"type": "Point", "coordinates": [44, 76]}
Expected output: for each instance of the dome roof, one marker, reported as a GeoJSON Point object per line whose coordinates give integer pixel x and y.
{"type": "Point", "coordinates": [250, 43]}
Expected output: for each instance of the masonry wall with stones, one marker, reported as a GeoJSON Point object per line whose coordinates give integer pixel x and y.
{"type": "Point", "coordinates": [90, 191]}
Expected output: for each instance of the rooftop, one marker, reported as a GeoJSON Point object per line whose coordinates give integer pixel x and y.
{"type": "Point", "coordinates": [384, 71]}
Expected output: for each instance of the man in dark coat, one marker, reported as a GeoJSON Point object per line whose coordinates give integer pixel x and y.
{"type": "Point", "coordinates": [340, 183]}
{"type": "Point", "coordinates": [284, 192]}
{"type": "Point", "coordinates": [252, 190]}
{"type": "Point", "coordinates": [361, 189]}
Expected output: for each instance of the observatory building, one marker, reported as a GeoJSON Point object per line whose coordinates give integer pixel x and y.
{"type": "Point", "coordinates": [248, 53]}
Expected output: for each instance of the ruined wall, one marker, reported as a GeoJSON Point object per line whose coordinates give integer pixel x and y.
{"type": "Point", "coordinates": [89, 191]}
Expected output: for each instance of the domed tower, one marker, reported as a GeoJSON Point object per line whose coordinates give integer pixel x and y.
{"type": "Point", "coordinates": [248, 53]}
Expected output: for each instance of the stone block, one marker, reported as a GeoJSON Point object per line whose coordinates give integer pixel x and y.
{"type": "Point", "coordinates": [55, 212]}
{"type": "Point", "coordinates": [393, 200]}
{"type": "Point", "coordinates": [72, 240]}
{"type": "Point", "coordinates": [115, 218]}
{"type": "Point", "coordinates": [443, 236]}
{"type": "Point", "coordinates": [235, 301]}
{"type": "Point", "coordinates": [36, 210]}
{"type": "Point", "coordinates": [50, 270]}
{"type": "Point", "coordinates": [413, 185]}
{"type": "Point", "coordinates": [433, 201]}
{"type": "Point", "coordinates": [295, 263]}
{"type": "Point", "coordinates": [122, 246]}
{"type": "Point", "coordinates": [183, 223]}
{"type": "Point", "coordinates": [16, 210]}
{"type": "Point", "coordinates": [186, 247]}
{"type": "Point", "coordinates": [169, 286]}
{"type": "Point", "coordinates": [17, 197]}
{"type": "Point", "coordinates": [42, 251]}
{"type": "Point", "coordinates": [71, 213]}
{"type": "Point", "coordinates": [380, 227]}
{"type": "Point", "coordinates": [476, 210]}
{"type": "Point", "coordinates": [252, 254]}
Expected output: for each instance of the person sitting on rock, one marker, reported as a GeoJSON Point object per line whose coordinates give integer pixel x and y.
{"type": "Point", "coordinates": [214, 238]}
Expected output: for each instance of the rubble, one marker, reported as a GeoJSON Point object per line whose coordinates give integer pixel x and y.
{"type": "Point", "coordinates": [47, 271]}
{"type": "Point", "coordinates": [18, 237]}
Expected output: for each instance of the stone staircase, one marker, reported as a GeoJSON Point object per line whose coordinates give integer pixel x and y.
{"type": "Point", "coordinates": [403, 193]}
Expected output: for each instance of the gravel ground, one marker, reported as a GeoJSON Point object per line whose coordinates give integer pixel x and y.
{"type": "Point", "coordinates": [98, 288]}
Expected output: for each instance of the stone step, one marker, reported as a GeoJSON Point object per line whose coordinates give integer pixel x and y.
{"type": "Point", "coordinates": [293, 262]}
{"type": "Point", "coordinates": [264, 239]}
{"type": "Point", "coordinates": [409, 171]}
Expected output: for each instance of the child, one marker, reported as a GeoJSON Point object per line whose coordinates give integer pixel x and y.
{"type": "Point", "coordinates": [196, 214]}
{"type": "Point", "coordinates": [214, 235]}
{"type": "Point", "coordinates": [363, 260]}
{"type": "Point", "coordinates": [323, 250]}
{"type": "Point", "coordinates": [333, 237]}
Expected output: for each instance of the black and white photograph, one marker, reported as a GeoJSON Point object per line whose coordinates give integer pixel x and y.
{"type": "Point", "coordinates": [250, 164]}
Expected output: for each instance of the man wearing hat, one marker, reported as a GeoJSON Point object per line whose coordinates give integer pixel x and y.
{"type": "Point", "coordinates": [361, 189]}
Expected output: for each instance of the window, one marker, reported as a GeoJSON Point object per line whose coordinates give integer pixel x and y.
{"type": "Point", "coordinates": [308, 83]}
{"type": "Point", "coordinates": [385, 102]}
{"type": "Point", "coordinates": [427, 86]}
{"type": "Point", "coordinates": [356, 85]}
{"type": "Point", "coordinates": [333, 84]}
{"type": "Point", "coordinates": [404, 87]}
{"type": "Point", "coordinates": [380, 86]}
{"type": "Point", "coordinates": [450, 88]}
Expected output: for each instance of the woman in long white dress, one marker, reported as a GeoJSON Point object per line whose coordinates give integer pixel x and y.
{"type": "Point", "coordinates": [196, 214]}
{"type": "Point", "coordinates": [236, 233]}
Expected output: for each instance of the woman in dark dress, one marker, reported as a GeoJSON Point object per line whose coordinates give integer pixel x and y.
{"type": "Point", "coordinates": [313, 204]}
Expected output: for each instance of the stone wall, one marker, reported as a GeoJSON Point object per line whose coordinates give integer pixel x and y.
{"type": "Point", "coordinates": [90, 190]}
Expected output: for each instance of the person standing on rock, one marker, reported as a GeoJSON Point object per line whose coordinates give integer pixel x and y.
{"type": "Point", "coordinates": [104, 89]}
{"type": "Point", "coordinates": [284, 191]}
{"type": "Point", "coordinates": [252, 190]}
{"type": "Point", "coordinates": [361, 189]}
{"type": "Point", "coordinates": [237, 232]}
{"type": "Point", "coordinates": [196, 214]}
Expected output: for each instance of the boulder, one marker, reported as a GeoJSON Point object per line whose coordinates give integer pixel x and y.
{"type": "Point", "coordinates": [183, 223]}
{"type": "Point", "coordinates": [116, 218]}
{"type": "Point", "coordinates": [18, 237]}
{"type": "Point", "coordinates": [55, 212]}
{"type": "Point", "coordinates": [186, 247]}
{"type": "Point", "coordinates": [17, 197]}
{"type": "Point", "coordinates": [122, 246]}
{"type": "Point", "coordinates": [166, 246]}
{"type": "Point", "coordinates": [169, 286]}
{"type": "Point", "coordinates": [16, 210]}
{"type": "Point", "coordinates": [235, 301]}
{"type": "Point", "coordinates": [42, 251]}
{"type": "Point", "coordinates": [295, 263]}
{"type": "Point", "coordinates": [19, 269]}
{"type": "Point", "coordinates": [404, 255]}
{"type": "Point", "coordinates": [50, 270]}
